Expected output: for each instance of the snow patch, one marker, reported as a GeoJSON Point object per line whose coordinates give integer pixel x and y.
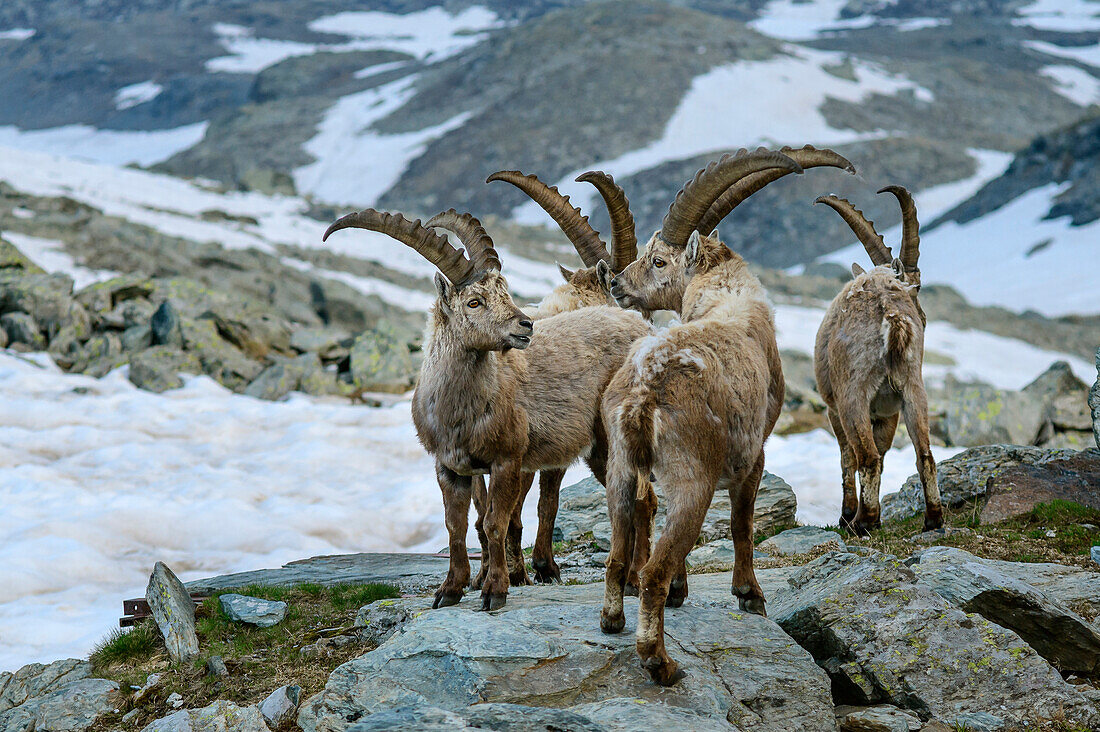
{"type": "Point", "coordinates": [51, 256]}
{"type": "Point", "coordinates": [786, 92]}
{"type": "Point", "coordinates": [1074, 83]}
{"type": "Point", "coordinates": [1071, 16]}
{"type": "Point", "coordinates": [1089, 55]}
{"type": "Point", "coordinates": [16, 34]}
{"type": "Point", "coordinates": [114, 147]}
{"type": "Point", "coordinates": [135, 94]}
{"type": "Point", "coordinates": [798, 20]}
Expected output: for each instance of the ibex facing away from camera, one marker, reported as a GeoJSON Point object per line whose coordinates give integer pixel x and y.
{"type": "Point", "coordinates": [582, 288]}
{"type": "Point", "coordinates": [693, 404]}
{"type": "Point", "coordinates": [867, 359]}
{"type": "Point", "coordinates": [498, 393]}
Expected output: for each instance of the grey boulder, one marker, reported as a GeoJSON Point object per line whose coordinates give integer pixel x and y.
{"type": "Point", "coordinates": [881, 718]}
{"type": "Point", "coordinates": [801, 540]}
{"type": "Point", "coordinates": [886, 637]}
{"type": "Point", "coordinates": [979, 414]}
{"type": "Point", "coordinates": [281, 705]}
{"type": "Point", "coordinates": [174, 611]}
{"type": "Point", "coordinates": [61, 697]}
{"type": "Point", "coordinates": [1094, 403]}
{"type": "Point", "coordinates": [253, 610]}
{"type": "Point", "coordinates": [221, 716]}
{"type": "Point", "coordinates": [1056, 633]}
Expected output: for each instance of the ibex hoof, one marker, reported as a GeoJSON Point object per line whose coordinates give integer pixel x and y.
{"type": "Point", "coordinates": [546, 572]}
{"type": "Point", "coordinates": [677, 593]}
{"type": "Point", "coordinates": [674, 600]}
{"type": "Point", "coordinates": [446, 599]}
{"type": "Point", "coordinates": [664, 673]}
{"type": "Point", "coordinates": [754, 605]}
{"type": "Point", "coordinates": [630, 589]}
{"type": "Point", "coordinates": [493, 602]}
{"type": "Point", "coordinates": [519, 578]}
{"type": "Point", "coordinates": [612, 624]}
{"type": "Point", "coordinates": [931, 523]}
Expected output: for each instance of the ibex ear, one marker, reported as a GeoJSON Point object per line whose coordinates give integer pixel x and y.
{"type": "Point", "coordinates": [695, 243]}
{"type": "Point", "coordinates": [604, 275]}
{"type": "Point", "coordinates": [857, 270]}
{"type": "Point", "coordinates": [443, 287]}
{"type": "Point", "coordinates": [566, 273]}
{"type": "Point", "coordinates": [899, 269]}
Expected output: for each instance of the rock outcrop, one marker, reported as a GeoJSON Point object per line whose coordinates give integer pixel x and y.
{"type": "Point", "coordinates": [221, 716]}
{"type": "Point", "coordinates": [884, 636]}
{"type": "Point", "coordinates": [548, 651]}
{"type": "Point", "coordinates": [61, 696]}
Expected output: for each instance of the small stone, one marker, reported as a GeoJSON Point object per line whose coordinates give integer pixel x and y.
{"type": "Point", "coordinates": [22, 329]}
{"type": "Point", "coordinates": [174, 612]}
{"type": "Point", "coordinates": [174, 700]}
{"type": "Point", "coordinates": [802, 540]}
{"type": "Point", "coordinates": [381, 619]}
{"type": "Point", "coordinates": [979, 722]}
{"type": "Point", "coordinates": [281, 705]}
{"type": "Point", "coordinates": [130, 715]}
{"type": "Point", "coordinates": [883, 718]}
{"type": "Point", "coordinates": [253, 610]}
{"type": "Point", "coordinates": [1050, 534]}
{"type": "Point", "coordinates": [215, 666]}
{"type": "Point", "coordinates": [165, 325]}
{"type": "Point", "coordinates": [716, 554]}
{"type": "Point", "coordinates": [221, 716]}
{"type": "Point", "coordinates": [143, 692]}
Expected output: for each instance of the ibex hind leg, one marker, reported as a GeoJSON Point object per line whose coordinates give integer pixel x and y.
{"type": "Point", "coordinates": [916, 422]}
{"type": "Point", "coordinates": [542, 558]}
{"type": "Point", "coordinates": [645, 509]}
{"type": "Point", "coordinates": [481, 505]}
{"type": "Point", "coordinates": [850, 502]}
{"type": "Point", "coordinates": [505, 485]}
{"type": "Point", "coordinates": [621, 497]}
{"type": "Point", "coordinates": [689, 493]}
{"type": "Point", "coordinates": [517, 562]}
{"type": "Point", "coordinates": [861, 440]}
{"type": "Point", "coordinates": [742, 490]}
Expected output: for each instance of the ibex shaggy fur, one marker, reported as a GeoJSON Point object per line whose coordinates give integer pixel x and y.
{"type": "Point", "coordinates": [582, 288]}
{"type": "Point", "coordinates": [868, 358]}
{"type": "Point", "coordinates": [693, 405]}
{"type": "Point", "coordinates": [497, 393]}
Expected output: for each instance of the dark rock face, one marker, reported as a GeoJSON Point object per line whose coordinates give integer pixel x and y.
{"type": "Point", "coordinates": [884, 636]}
{"type": "Point", "coordinates": [974, 585]}
{"type": "Point", "coordinates": [980, 471]}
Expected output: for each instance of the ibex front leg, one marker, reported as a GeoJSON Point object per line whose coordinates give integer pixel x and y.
{"type": "Point", "coordinates": [505, 485]}
{"type": "Point", "coordinates": [456, 509]}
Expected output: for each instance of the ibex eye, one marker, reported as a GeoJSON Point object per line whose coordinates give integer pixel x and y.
{"type": "Point", "coordinates": [473, 304]}
{"type": "Point", "coordinates": [658, 263]}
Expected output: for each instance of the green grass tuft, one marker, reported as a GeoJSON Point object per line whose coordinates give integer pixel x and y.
{"type": "Point", "coordinates": [122, 645]}
{"type": "Point", "coordinates": [356, 596]}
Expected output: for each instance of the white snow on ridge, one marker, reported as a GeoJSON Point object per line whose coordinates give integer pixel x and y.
{"type": "Point", "coordinates": [1089, 55]}
{"type": "Point", "coordinates": [52, 257]}
{"type": "Point", "coordinates": [1074, 83]}
{"type": "Point", "coordinates": [798, 20]}
{"type": "Point", "coordinates": [17, 34]}
{"type": "Point", "coordinates": [354, 164]}
{"type": "Point", "coordinates": [174, 206]}
{"type": "Point", "coordinates": [1071, 16]}
{"type": "Point", "coordinates": [749, 103]}
{"type": "Point", "coordinates": [114, 147]}
{"type": "Point", "coordinates": [135, 94]}
{"type": "Point", "coordinates": [431, 33]}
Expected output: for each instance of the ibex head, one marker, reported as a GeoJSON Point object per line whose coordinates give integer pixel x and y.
{"type": "Point", "coordinates": [474, 303]}
{"type": "Point", "coordinates": [588, 286]}
{"type": "Point", "coordinates": [905, 265]}
{"type": "Point", "coordinates": [681, 248]}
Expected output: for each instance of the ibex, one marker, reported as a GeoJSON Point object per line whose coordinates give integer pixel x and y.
{"type": "Point", "coordinates": [582, 288]}
{"type": "Point", "coordinates": [693, 404]}
{"type": "Point", "coordinates": [867, 359]}
{"type": "Point", "coordinates": [498, 393]}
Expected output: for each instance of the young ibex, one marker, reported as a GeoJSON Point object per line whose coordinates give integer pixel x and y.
{"type": "Point", "coordinates": [498, 393]}
{"type": "Point", "coordinates": [582, 288]}
{"type": "Point", "coordinates": [867, 359]}
{"type": "Point", "coordinates": [693, 405]}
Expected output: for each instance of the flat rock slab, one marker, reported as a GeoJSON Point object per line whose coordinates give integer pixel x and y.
{"type": "Point", "coordinates": [60, 696]}
{"type": "Point", "coordinates": [1057, 633]}
{"type": "Point", "coordinates": [1019, 488]}
{"type": "Point", "coordinates": [717, 554]}
{"type": "Point", "coordinates": [886, 637]}
{"type": "Point", "coordinates": [583, 510]}
{"type": "Point", "coordinates": [545, 649]}
{"type": "Point", "coordinates": [881, 718]}
{"type": "Point", "coordinates": [253, 610]}
{"type": "Point", "coordinates": [410, 572]}
{"type": "Point", "coordinates": [801, 540]}
{"type": "Point", "coordinates": [221, 716]}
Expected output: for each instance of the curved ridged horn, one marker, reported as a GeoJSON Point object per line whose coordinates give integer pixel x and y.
{"type": "Point", "coordinates": [624, 242]}
{"type": "Point", "coordinates": [864, 229]}
{"type": "Point", "coordinates": [569, 219]}
{"type": "Point", "coordinates": [807, 157]}
{"type": "Point", "coordinates": [700, 192]}
{"type": "Point", "coordinates": [433, 247]}
{"type": "Point", "coordinates": [478, 243]}
{"type": "Point", "coordinates": [910, 227]}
